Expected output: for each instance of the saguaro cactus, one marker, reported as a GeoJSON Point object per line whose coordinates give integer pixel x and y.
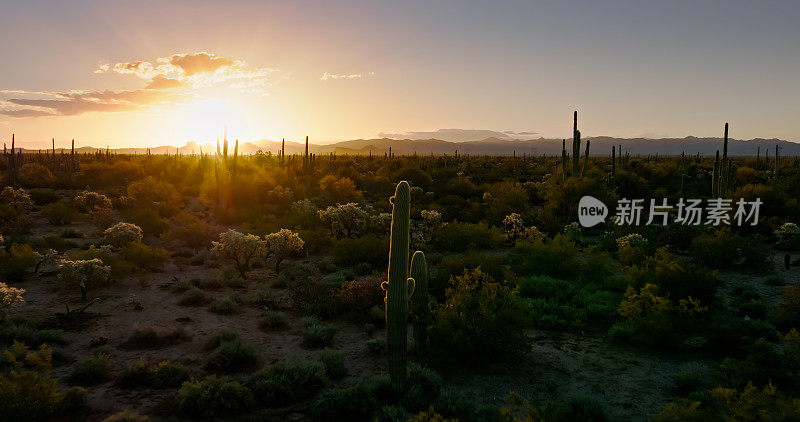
{"type": "Point", "coordinates": [576, 145]}
{"type": "Point", "coordinates": [420, 301]}
{"type": "Point", "coordinates": [399, 287]}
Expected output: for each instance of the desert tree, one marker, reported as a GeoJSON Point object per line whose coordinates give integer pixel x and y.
{"type": "Point", "coordinates": [122, 234]}
{"type": "Point", "coordinates": [281, 245]}
{"type": "Point", "coordinates": [343, 219]}
{"type": "Point", "coordinates": [240, 248]}
{"type": "Point", "coordinates": [88, 201]}
{"type": "Point", "coordinates": [87, 274]}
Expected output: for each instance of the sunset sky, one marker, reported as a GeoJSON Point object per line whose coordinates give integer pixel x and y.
{"type": "Point", "coordinates": [163, 73]}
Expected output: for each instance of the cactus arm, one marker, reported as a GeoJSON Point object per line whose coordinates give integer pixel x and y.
{"type": "Point", "coordinates": [410, 288]}
{"type": "Point", "coordinates": [420, 300]}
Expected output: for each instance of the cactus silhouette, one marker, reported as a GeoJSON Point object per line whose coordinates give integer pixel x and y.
{"type": "Point", "coordinates": [420, 300]}
{"type": "Point", "coordinates": [399, 287]}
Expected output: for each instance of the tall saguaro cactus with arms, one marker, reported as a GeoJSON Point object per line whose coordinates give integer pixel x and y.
{"type": "Point", "coordinates": [400, 287]}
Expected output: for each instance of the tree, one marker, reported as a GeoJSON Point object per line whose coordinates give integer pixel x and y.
{"type": "Point", "coordinates": [344, 219]}
{"type": "Point", "coordinates": [281, 245]}
{"type": "Point", "coordinates": [121, 234]}
{"type": "Point", "coordinates": [87, 274]}
{"type": "Point", "coordinates": [240, 248]}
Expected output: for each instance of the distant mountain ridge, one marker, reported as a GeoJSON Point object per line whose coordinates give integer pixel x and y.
{"type": "Point", "coordinates": [599, 145]}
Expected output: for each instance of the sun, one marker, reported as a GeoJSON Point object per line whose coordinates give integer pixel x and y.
{"type": "Point", "coordinates": [206, 119]}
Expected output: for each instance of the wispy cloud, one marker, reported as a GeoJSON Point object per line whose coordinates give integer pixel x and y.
{"type": "Point", "coordinates": [170, 79]}
{"type": "Point", "coordinates": [333, 76]}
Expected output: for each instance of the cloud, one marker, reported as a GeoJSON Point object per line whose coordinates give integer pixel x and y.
{"type": "Point", "coordinates": [163, 82]}
{"type": "Point", "coordinates": [332, 76]}
{"type": "Point", "coordinates": [79, 102]}
{"type": "Point", "coordinates": [24, 112]}
{"type": "Point", "coordinates": [196, 70]}
{"type": "Point", "coordinates": [171, 79]}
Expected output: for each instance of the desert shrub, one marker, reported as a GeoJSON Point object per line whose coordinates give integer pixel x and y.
{"type": "Point", "coordinates": [717, 250]}
{"type": "Point", "coordinates": [228, 304]}
{"type": "Point", "coordinates": [70, 234]}
{"type": "Point", "coordinates": [215, 397]}
{"type": "Point", "coordinates": [333, 361]}
{"type": "Point", "coordinates": [221, 336]}
{"type": "Point", "coordinates": [43, 196]}
{"type": "Point", "coordinates": [314, 298]}
{"type": "Point", "coordinates": [9, 298]}
{"type": "Point", "coordinates": [119, 266]}
{"type": "Point", "coordinates": [85, 274]}
{"type": "Point", "coordinates": [265, 297]}
{"type": "Point", "coordinates": [35, 175]}
{"type": "Point", "coordinates": [233, 356]}
{"type": "Point", "coordinates": [166, 374]}
{"type": "Point", "coordinates": [126, 416]}
{"type": "Point", "coordinates": [87, 201]}
{"type": "Point", "coordinates": [452, 266]}
{"type": "Point", "coordinates": [578, 408]}
{"type": "Point", "coordinates": [544, 286]}
{"type": "Point", "coordinates": [357, 297]}
{"type": "Point", "coordinates": [460, 237]}
{"type": "Point", "coordinates": [272, 320]}
{"type": "Point", "coordinates": [788, 236]}
{"type": "Point", "coordinates": [17, 261]}
{"type": "Point", "coordinates": [480, 319]}
{"type": "Point", "coordinates": [60, 213]}
{"type": "Point", "coordinates": [338, 278]}
{"type": "Point", "coordinates": [193, 297]}
{"type": "Point", "coordinates": [51, 241]}
{"type": "Point", "coordinates": [376, 345]}
{"type": "Point", "coordinates": [677, 278]}
{"type": "Point", "coordinates": [90, 371]}
{"type": "Point", "coordinates": [147, 218]}
{"type": "Point", "coordinates": [317, 333]}
{"type": "Point", "coordinates": [27, 390]}
{"type": "Point", "coordinates": [755, 254]}
{"type": "Point", "coordinates": [145, 257]}
{"type": "Point", "coordinates": [285, 384]}
{"type": "Point", "coordinates": [557, 304]}
{"type": "Point", "coordinates": [690, 377]}
{"type": "Point", "coordinates": [190, 231]}
{"type": "Point", "coordinates": [144, 338]}
{"type": "Point", "coordinates": [632, 249]}
{"type": "Point", "coordinates": [654, 319]}
{"type": "Point", "coordinates": [370, 248]}
{"type": "Point", "coordinates": [121, 234]}
{"type": "Point", "coordinates": [556, 258]}
{"type": "Point", "coordinates": [353, 403]}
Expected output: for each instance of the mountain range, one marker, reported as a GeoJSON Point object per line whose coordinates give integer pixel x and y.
{"type": "Point", "coordinates": [494, 145]}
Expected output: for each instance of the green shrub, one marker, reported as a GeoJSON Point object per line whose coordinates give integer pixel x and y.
{"type": "Point", "coordinates": [220, 337]}
{"type": "Point", "coordinates": [578, 408]}
{"type": "Point", "coordinates": [285, 384]}
{"type": "Point", "coordinates": [43, 196]}
{"type": "Point", "coordinates": [453, 266]}
{"type": "Point", "coordinates": [460, 237]}
{"type": "Point", "coordinates": [233, 356]}
{"type": "Point", "coordinates": [317, 333]}
{"type": "Point", "coordinates": [60, 213]}
{"type": "Point", "coordinates": [27, 390]}
{"type": "Point", "coordinates": [136, 375]}
{"type": "Point", "coordinates": [91, 371]}
{"type": "Point", "coordinates": [151, 338]}
{"type": "Point", "coordinates": [333, 361]}
{"type": "Point", "coordinates": [228, 304]}
{"type": "Point", "coordinates": [376, 345]}
{"type": "Point", "coordinates": [354, 403]}
{"type": "Point", "coordinates": [555, 258]}
{"type": "Point", "coordinates": [193, 297]}
{"type": "Point", "coordinates": [273, 320]}
{"type": "Point", "coordinates": [677, 278]}
{"type": "Point", "coordinates": [166, 374]}
{"type": "Point", "coordinates": [717, 250]}
{"type": "Point", "coordinates": [370, 248]}
{"type": "Point", "coordinates": [690, 377]}
{"type": "Point", "coordinates": [146, 257]}
{"type": "Point", "coordinates": [17, 261]}
{"type": "Point", "coordinates": [479, 320]}
{"type": "Point", "coordinates": [215, 397]}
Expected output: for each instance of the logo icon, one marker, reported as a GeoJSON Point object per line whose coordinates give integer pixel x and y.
{"type": "Point", "coordinates": [591, 211]}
